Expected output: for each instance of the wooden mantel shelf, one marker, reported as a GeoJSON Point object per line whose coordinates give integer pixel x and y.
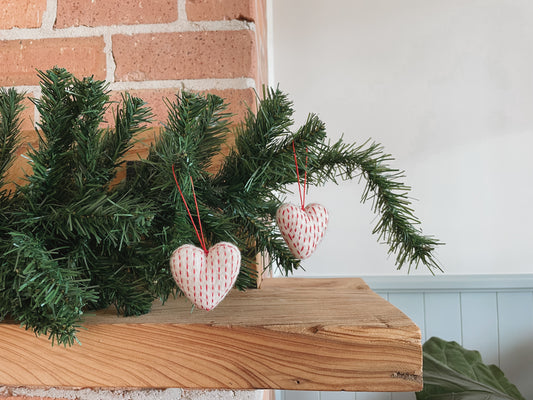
{"type": "Point", "coordinates": [304, 334]}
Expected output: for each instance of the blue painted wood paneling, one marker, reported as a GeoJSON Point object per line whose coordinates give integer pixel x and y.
{"type": "Point", "coordinates": [337, 396]}
{"type": "Point", "coordinates": [300, 395]}
{"type": "Point", "coordinates": [412, 305]}
{"type": "Point", "coordinates": [479, 314]}
{"type": "Point", "coordinates": [515, 313]}
{"type": "Point", "coordinates": [403, 396]}
{"type": "Point", "coordinates": [372, 396]}
{"type": "Point", "coordinates": [443, 315]}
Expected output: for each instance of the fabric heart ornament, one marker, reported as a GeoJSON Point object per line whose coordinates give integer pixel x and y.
{"type": "Point", "coordinates": [206, 277]}
{"type": "Point", "coordinates": [302, 229]}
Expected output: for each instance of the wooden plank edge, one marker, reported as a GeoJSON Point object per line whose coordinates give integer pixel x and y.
{"type": "Point", "coordinates": [206, 356]}
{"type": "Point", "coordinates": [198, 356]}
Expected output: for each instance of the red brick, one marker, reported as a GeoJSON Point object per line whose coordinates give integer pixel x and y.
{"type": "Point", "coordinates": [185, 55]}
{"type": "Point", "coordinates": [21, 13]}
{"type": "Point", "coordinates": [216, 10]}
{"type": "Point", "coordinates": [20, 58]}
{"type": "Point", "coordinates": [262, 43]}
{"type": "Point", "coordinates": [237, 99]}
{"type": "Point", "coordinates": [28, 116]}
{"type": "Point", "coordinates": [115, 12]}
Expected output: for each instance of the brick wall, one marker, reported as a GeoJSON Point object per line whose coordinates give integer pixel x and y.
{"type": "Point", "coordinates": [151, 48]}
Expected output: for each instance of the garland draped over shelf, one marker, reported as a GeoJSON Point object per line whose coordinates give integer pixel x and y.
{"type": "Point", "coordinates": [72, 241]}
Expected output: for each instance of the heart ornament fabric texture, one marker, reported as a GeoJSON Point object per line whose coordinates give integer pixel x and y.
{"type": "Point", "coordinates": [206, 277]}
{"type": "Point", "coordinates": [302, 229]}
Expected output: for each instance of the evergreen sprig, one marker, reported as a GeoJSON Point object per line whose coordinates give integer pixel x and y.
{"type": "Point", "coordinates": [397, 224]}
{"type": "Point", "coordinates": [262, 165]}
{"type": "Point", "coordinates": [69, 241]}
{"type": "Point", "coordinates": [10, 109]}
{"type": "Point", "coordinates": [193, 134]}
{"type": "Point", "coordinates": [73, 239]}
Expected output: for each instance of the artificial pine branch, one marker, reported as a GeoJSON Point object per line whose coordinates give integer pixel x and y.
{"type": "Point", "coordinates": [194, 132]}
{"type": "Point", "coordinates": [130, 119]}
{"type": "Point", "coordinates": [262, 164]}
{"type": "Point", "coordinates": [72, 241]}
{"type": "Point", "coordinates": [47, 293]}
{"type": "Point", "coordinates": [397, 224]}
{"type": "Point", "coordinates": [72, 232]}
{"type": "Point", "coordinates": [10, 110]}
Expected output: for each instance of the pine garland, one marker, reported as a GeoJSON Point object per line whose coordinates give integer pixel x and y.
{"type": "Point", "coordinates": [66, 249]}
{"type": "Point", "coordinates": [71, 241]}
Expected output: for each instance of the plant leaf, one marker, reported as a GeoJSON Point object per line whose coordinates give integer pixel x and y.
{"type": "Point", "coordinates": [452, 372]}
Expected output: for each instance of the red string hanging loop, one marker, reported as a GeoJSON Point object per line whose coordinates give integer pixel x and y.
{"type": "Point", "coordinates": [302, 194]}
{"type": "Point", "coordinates": [201, 237]}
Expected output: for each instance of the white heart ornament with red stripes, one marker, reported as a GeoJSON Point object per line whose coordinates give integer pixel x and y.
{"type": "Point", "coordinates": [302, 229]}
{"type": "Point", "coordinates": [206, 278]}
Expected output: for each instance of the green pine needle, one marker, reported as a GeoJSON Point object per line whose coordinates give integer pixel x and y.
{"type": "Point", "coordinates": [10, 109]}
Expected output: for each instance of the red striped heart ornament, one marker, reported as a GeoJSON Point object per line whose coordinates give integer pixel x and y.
{"type": "Point", "coordinates": [302, 229]}
{"type": "Point", "coordinates": [206, 277]}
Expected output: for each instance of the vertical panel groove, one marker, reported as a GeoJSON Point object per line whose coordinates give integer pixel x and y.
{"type": "Point", "coordinates": [498, 326]}
{"type": "Point", "coordinates": [461, 317]}
{"type": "Point", "coordinates": [425, 314]}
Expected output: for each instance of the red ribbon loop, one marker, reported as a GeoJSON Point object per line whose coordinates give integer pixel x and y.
{"type": "Point", "coordinates": [302, 196]}
{"type": "Point", "coordinates": [201, 238]}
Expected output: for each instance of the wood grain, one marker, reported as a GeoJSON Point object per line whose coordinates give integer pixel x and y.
{"type": "Point", "coordinates": [302, 334]}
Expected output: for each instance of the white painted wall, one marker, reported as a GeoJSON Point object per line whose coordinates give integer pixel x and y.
{"type": "Point", "coordinates": [447, 87]}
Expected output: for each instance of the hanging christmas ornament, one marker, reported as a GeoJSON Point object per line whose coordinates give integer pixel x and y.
{"type": "Point", "coordinates": [302, 227]}
{"type": "Point", "coordinates": [204, 275]}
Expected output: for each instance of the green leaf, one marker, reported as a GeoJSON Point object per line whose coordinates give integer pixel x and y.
{"type": "Point", "coordinates": [452, 372]}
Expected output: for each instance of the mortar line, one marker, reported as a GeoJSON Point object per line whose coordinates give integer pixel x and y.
{"type": "Point", "coordinates": [49, 16]}
{"type": "Point", "coordinates": [110, 60]}
{"type": "Point", "coordinates": [85, 31]}
{"type": "Point", "coordinates": [191, 84]}
{"type": "Point", "coordinates": [182, 10]}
